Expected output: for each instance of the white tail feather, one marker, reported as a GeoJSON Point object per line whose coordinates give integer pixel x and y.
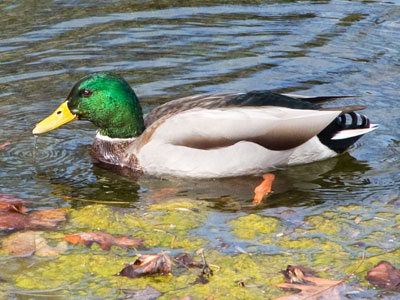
{"type": "Point", "coordinates": [348, 133]}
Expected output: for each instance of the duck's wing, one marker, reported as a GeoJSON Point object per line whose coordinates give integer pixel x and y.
{"type": "Point", "coordinates": [317, 99]}
{"type": "Point", "coordinates": [206, 101]}
{"type": "Point", "coordinates": [272, 127]}
{"type": "Point", "coordinates": [252, 99]}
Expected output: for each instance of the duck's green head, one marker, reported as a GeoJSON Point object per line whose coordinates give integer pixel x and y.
{"type": "Point", "coordinates": [106, 100]}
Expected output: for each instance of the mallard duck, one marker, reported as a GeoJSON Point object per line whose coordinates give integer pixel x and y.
{"type": "Point", "coordinates": [208, 135]}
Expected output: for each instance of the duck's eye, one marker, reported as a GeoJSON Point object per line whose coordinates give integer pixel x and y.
{"type": "Point", "coordinates": [86, 93]}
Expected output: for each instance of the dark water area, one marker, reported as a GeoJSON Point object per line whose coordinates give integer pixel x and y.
{"type": "Point", "coordinates": [171, 49]}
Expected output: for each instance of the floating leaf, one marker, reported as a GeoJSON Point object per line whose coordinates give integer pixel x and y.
{"type": "Point", "coordinates": [31, 242]}
{"type": "Point", "coordinates": [148, 293]}
{"type": "Point", "coordinates": [105, 240]}
{"type": "Point", "coordinates": [297, 274]}
{"type": "Point", "coordinates": [11, 203]}
{"type": "Point", "coordinates": [184, 298]}
{"type": "Point", "coordinates": [13, 219]}
{"type": "Point", "coordinates": [147, 265]}
{"type": "Point", "coordinates": [311, 288]}
{"type": "Point", "coordinates": [384, 275]}
{"type": "Point", "coordinates": [187, 261]}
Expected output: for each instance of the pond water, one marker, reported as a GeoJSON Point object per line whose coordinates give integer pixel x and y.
{"type": "Point", "coordinates": [170, 49]}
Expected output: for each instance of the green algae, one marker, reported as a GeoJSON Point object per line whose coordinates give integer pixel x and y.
{"type": "Point", "coordinates": [251, 226]}
{"type": "Point", "coordinates": [322, 244]}
{"type": "Point", "coordinates": [75, 269]}
{"type": "Point", "coordinates": [96, 273]}
{"type": "Point", "coordinates": [351, 208]}
{"type": "Point", "coordinates": [324, 225]}
{"type": "Point", "coordinates": [163, 225]}
{"type": "Point", "coordinates": [301, 243]}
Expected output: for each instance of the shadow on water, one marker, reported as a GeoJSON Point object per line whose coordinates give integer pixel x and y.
{"type": "Point", "coordinates": [309, 185]}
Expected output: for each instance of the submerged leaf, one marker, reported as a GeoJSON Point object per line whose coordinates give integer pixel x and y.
{"type": "Point", "coordinates": [384, 275]}
{"type": "Point", "coordinates": [148, 293]}
{"type": "Point", "coordinates": [14, 216]}
{"type": "Point", "coordinates": [10, 221]}
{"type": "Point", "coordinates": [46, 218]}
{"type": "Point", "coordinates": [105, 240]}
{"type": "Point", "coordinates": [147, 265]}
{"type": "Point", "coordinates": [31, 242]}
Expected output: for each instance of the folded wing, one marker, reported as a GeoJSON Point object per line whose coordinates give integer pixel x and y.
{"type": "Point", "coordinates": [275, 128]}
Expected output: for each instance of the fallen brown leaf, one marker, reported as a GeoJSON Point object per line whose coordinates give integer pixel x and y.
{"type": "Point", "coordinates": [31, 242]}
{"type": "Point", "coordinates": [187, 261]}
{"type": "Point", "coordinates": [148, 264]}
{"type": "Point", "coordinates": [11, 203]}
{"type": "Point", "coordinates": [105, 240]}
{"type": "Point", "coordinates": [311, 288]}
{"type": "Point", "coordinates": [148, 293]}
{"type": "Point", "coordinates": [13, 219]}
{"type": "Point", "coordinates": [384, 275]}
{"type": "Point", "coordinates": [296, 274]}
{"type": "Point", "coordinates": [316, 289]}
{"type": "Point", "coordinates": [10, 221]}
{"type": "Point", "coordinates": [46, 218]}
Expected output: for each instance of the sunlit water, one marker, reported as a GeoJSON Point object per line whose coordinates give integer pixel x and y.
{"type": "Point", "coordinates": [168, 50]}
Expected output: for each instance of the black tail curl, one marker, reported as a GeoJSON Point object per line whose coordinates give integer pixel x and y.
{"type": "Point", "coordinates": [351, 120]}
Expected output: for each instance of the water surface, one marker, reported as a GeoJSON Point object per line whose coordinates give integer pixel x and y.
{"type": "Point", "coordinates": [167, 50]}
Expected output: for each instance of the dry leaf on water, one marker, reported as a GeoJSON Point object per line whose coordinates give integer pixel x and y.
{"type": "Point", "coordinates": [105, 240]}
{"type": "Point", "coordinates": [14, 216]}
{"type": "Point", "coordinates": [41, 219]}
{"type": "Point", "coordinates": [184, 259]}
{"type": "Point", "coordinates": [10, 203]}
{"type": "Point", "coordinates": [31, 242]}
{"type": "Point", "coordinates": [148, 293]}
{"type": "Point", "coordinates": [148, 264]}
{"type": "Point", "coordinates": [296, 274]}
{"type": "Point", "coordinates": [311, 288]}
{"type": "Point", "coordinates": [384, 275]}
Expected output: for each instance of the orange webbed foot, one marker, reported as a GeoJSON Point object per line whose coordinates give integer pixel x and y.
{"type": "Point", "coordinates": [263, 188]}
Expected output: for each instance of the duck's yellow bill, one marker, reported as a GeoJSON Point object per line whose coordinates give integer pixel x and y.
{"type": "Point", "coordinates": [60, 116]}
